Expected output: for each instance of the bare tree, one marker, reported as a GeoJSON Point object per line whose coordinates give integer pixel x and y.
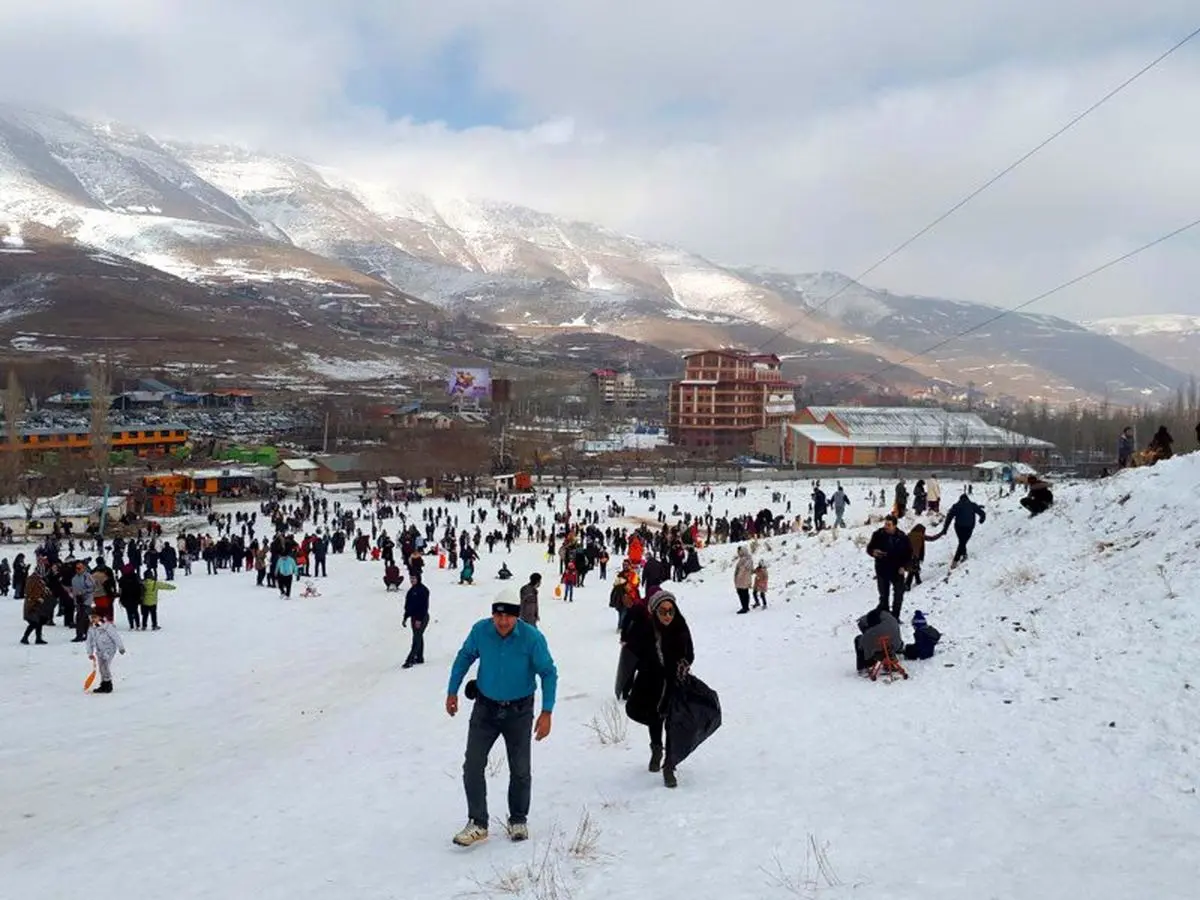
{"type": "Point", "coordinates": [12, 463]}
{"type": "Point", "coordinates": [99, 381]}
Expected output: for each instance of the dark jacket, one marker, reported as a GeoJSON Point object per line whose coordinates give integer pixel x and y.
{"type": "Point", "coordinates": [925, 639]}
{"type": "Point", "coordinates": [962, 515]}
{"type": "Point", "coordinates": [130, 586]}
{"type": "Point", "coordinates": [657, 651]}
{"type": "Point", "coordinates": [1161, 443]}
{"type": "Point", "coordinates": [897, 550]}
{"type": "Point", "coordinates": [654, 572]}
{"type": "Point", "coordinates": [416, 603]}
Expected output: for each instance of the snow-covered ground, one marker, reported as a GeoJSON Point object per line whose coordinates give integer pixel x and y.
{"type": "Point", "coordinates": [264, 748]}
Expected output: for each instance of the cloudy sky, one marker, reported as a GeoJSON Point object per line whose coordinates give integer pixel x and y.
{"type": "Point", "coordinates": [797, 134]}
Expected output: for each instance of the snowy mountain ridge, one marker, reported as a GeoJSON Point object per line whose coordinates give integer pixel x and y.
{"type": "Point", "coordinates": [222, 214]}
{"type": "Point", "coordinates": [1140, 326]}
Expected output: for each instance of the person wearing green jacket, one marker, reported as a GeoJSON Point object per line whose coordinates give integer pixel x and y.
{"type": "Point", "coordinates": [150, 588]}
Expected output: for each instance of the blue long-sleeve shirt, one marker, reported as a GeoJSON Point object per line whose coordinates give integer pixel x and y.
{"type": "Point", "coordinates": [507, 665]}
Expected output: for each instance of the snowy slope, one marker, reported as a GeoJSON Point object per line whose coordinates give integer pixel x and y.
{"type": "Point", "coordinates": [274, 748]}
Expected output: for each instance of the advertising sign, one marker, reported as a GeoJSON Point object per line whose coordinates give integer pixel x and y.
{"type": "Point", "coordinates": [469, 384]}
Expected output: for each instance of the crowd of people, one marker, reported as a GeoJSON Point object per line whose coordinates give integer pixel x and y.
{"type": "Point", "coordinates": [649, 562]}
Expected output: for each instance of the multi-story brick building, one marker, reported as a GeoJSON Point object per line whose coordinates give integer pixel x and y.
{"type": "Point", "coordinates": [725, 397]}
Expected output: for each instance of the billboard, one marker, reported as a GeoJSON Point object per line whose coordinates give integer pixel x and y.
{"type": "Point", "coordinates": [469, 384]}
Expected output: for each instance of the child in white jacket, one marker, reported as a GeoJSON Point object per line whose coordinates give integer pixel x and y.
{"type": "Point", "coordinates": [103, 643]}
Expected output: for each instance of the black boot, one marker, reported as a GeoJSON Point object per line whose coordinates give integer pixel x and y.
{"type": "Point", "coordinates": [105, 688]}
{"type": "Point", "coordinates": [669, 777]}
{"type": "Point", "coordinates": [656, 753]}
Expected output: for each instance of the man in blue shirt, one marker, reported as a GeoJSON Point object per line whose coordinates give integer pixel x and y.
{"type": "Point", "coordinates": [510, 653]}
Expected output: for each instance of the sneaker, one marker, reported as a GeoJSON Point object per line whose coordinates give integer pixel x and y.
{"type": "Point", "coordinates": [518, 831]}
{"type": "Point", "coordinates": [471, 834]}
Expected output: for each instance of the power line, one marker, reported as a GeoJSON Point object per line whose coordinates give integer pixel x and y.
{"type": "Point", "coordinates": [987, 184]}
{"type": "Point", "coordinates": [1032, 300]}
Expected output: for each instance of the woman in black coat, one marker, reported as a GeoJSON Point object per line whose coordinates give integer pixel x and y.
{"type": "Point", "coordinates": [20, 571]}
{"type": "Point", "coordinates": [659, 639]}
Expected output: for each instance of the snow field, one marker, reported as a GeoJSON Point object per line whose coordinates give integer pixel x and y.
{"type": "Point", "coordinates": [258, 746]}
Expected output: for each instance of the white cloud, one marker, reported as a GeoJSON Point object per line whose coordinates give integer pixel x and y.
{"type": "Point", "coordinates": [803, 136]}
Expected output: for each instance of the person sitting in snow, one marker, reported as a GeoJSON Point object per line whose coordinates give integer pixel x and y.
{"type": "Point", "coordinates": [877, 626]}
{"type": "Point", "coordinates": [392, 579]}
{"type": "Point", "coordinates": [1039, 499]}
{"type": "Point", "coordinates": [505, 572]}
{"type": "Point", "coordinates": [1160, 444]}
{"type": "Point", "coordinates": [925, 638]}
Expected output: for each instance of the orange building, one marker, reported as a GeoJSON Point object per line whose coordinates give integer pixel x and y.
{"type": "Point", "coordinates": [144, 440]}
{"type": "Point", "coordinates": [725, 397]}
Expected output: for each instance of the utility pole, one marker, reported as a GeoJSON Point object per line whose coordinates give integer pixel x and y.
{"type": "Point", "coordinates": [325, 439]}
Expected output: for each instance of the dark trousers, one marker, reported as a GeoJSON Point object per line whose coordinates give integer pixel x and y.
{"type": "Point", "coordinates": [416, 653]}
{"type": "Point", "coordinates": [131, 614]}
{"type": "Point", "coordinates": [914, 576]}
{"type": "Point", "coordinates": [960, 552]}
{"type": "Point", "coordinates": [891, 584]}
{"type": "Point", "coordinates": [656, 742]}
{"type": "Point", "coordinates": [170, 570]}
{"type": "Point", "coordinates": [744, 597]}
{"type": "Point", "coordinates": [262, 574]}
{"type": "Point", "coordinates": [490, 721]}
{"type": "Point", "coordinates": [860, 660]}
{"type": "Point", "coordinates": [149, 615]}
{"type": "Point", "coordinates": [31, 628]}
{"type": "Point", "coordinates": [319, 567]}
{"type": "Point", "coordinates": [285, 585]}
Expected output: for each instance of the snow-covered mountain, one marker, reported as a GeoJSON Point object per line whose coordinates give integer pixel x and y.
{"type": "Point", "coordinates": [1015, 354]}
{"type": "Point", "coordinates": [224, 215]}
{"type": "Point", "coordinates": [1171, 339]}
